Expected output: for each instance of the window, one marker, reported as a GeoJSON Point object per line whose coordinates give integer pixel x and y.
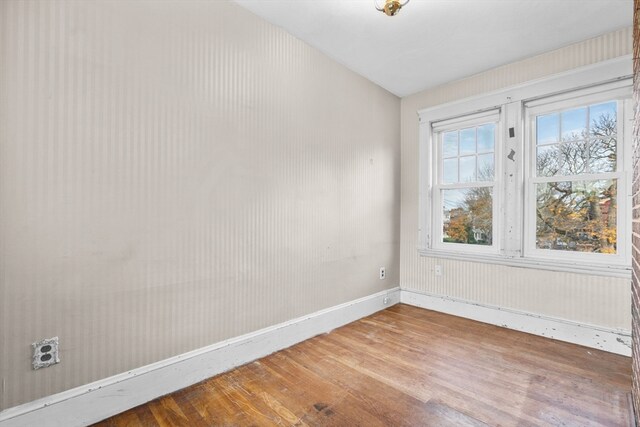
{"type": "Point", "coordinates": [465, 188]}
{"type": "Point", "coordinates": [576, 182]}
{"type": "Point", "coordinates": [535, 176]}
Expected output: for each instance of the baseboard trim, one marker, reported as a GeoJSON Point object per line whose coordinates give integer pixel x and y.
{"type": "Point", "coordinates": [93, 402]}
{"type": "Point", "coordinates": [611, 340]}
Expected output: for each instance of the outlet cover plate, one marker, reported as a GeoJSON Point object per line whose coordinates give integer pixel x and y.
{"type": "Point", "coordinates": [45, 353]}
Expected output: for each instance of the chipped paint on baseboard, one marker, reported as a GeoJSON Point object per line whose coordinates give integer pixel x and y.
{"type": "Point", "coordinates": [93, 402]}
{"type": "Point", "coordinates": [611, 340]}
{"type": "Point", "coordinates": [626, 341]}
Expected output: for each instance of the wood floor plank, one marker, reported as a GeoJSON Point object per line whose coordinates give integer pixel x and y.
{"type": "Point", "coordinates": [407, 366]}
{"type": "Point", "coordinates": [167, 413]}
{"type": "Point", "coordinates": [387, 403]}
{"type": "Point", "coordinates": [216, 409]}
{"type": "Point", "coordinates": [326, 401]}
{"type": "Point", "coordinates": [253, 409]}
{"type": "Point", "coordinates": [481, 380]}
{"type": "Point", "coordinates": [129, 419]}
{"type": "Point", "coordinates": [184, 399]}
{"type": "Point", "coordinates": [146, 417]}
{"type": "Point", "coordinates": [443, 415]}
{"type": "Point", "coordinates": [521, 366]}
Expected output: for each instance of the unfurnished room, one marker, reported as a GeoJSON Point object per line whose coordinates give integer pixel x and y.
{"type": "Point", "coordinates": [319, 213]}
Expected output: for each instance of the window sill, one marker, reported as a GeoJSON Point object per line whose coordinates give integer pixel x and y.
{"type": "Point", "coordinates": [535, 263]}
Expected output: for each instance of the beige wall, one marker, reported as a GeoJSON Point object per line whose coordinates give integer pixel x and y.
{"type": "Point", "coordinates": [176, 173]}
{"type": "Point", "coordinates": [594, 300]}
{"type": "Point", "coordinates": [171, 176]}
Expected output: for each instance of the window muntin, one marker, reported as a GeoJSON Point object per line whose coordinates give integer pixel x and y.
{"type": "Point", "coordinates": [516, 176]}
{"type": "Point", "coordinates": [468, 154]}
{"type": "Point", "coordinates": [577, 141]}
{"type": "Point", "coordinates": [465, 187]}
{"type": "Point", "coordinates": [575, 179]}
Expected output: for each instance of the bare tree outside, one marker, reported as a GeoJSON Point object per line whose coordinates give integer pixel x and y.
{"type": "Point", "coordinates": [579, 215]}
{"type": "Point", "coordinates": [572, 214]}
{"type": "Point", "coordinates": [469, 214]}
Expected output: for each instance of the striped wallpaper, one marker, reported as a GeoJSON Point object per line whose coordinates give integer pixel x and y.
{"type": "Point", "coordinates": [172, 176]}
{"type": "Point", "coordinates": [600, 301]}
{"type": "Point", "coordinates": [176, 173]}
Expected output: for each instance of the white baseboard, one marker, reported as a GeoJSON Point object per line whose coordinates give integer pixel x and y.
{"type": "Point", "coordinates": [611, 340]}
{"type": "Point", "coordinates": [93, 402]}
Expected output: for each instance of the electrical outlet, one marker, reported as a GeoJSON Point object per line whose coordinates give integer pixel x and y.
{"type": "Point", "coordinates": [385, 300]}
{"type": "Point", "coordinates": [437, 270]}
{"type": "Point", "coordinates": [382, 273]}
{"type": "Point", "coordinates": [45, 353]}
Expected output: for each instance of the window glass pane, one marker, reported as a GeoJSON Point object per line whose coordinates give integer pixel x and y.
{"type": "Point", "coordinates": [450, 144]}
{"type": "Point", "coordinates": [450, 171]}
{"type": "Point", "coordinates": [468, 216]}
{"type": "Point", "coordinates": [460, 160]}
{"type": "Point", "coordinates": [485, 167]}
{"type": "Point", "coordinates": [574, 124]}
{"type": "Point", "coordinates": [547, 160]}
{"type": "Point", "coordinates": [486, 137]}
{"type": "Point", "coordinates": [577, 216]}
{"type": "Point", "coordinates": [573, 158]}
{"type": "Point", "coordinates": [603, 128]}
{"type": "Point", "coordinates": [603, 119]}
{"type": "Point", "coordinates": [468, 169]}
{"type": "Point", "coordinates": [602, 155]}
{"type": "Point", "coordinates": [581, 151]}
{"type": "Point", "coordinates": [548, 129]}
{"type": "Point", "coordinates": [468, 141]}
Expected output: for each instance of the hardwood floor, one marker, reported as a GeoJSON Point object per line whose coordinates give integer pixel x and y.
{"type": "Point", "coordinates": [407, 366]}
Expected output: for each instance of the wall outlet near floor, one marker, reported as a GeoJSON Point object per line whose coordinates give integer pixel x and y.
{"type": "Point", "coordinates": [385, 300]}
{"type": "Point", "coordinates": [382, 273]}
{"type": "Point", "coordinates": [45, 353]}
{"type": "Point", "coordinates": [437, 270]}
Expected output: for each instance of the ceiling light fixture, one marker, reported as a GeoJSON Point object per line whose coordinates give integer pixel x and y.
{"type": "Point", "coordinates": [391, 7]}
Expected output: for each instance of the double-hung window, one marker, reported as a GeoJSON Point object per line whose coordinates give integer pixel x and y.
{"type": "Point", "coordinates": [575, 202]}
{"type": "Point", "coordinates": [535, 176]}
{"type": "Point", "coordinates": [465, 188]}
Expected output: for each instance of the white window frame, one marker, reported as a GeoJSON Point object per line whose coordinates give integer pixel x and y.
{"type": "Point", "coordinates": [438, 129]}
{"type": "Point", "coordinates": [589, 96]}
{"type": "Point", "coordinates": [511, 246]}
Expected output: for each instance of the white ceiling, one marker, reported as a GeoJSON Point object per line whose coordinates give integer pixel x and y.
{"type": "Point", "coordinates": [435, 41]}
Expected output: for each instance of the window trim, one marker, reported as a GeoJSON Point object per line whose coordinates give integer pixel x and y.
{"type": "Point", "coordinates": [438, 128]}
{"type": "Point", "coordinates": [615, 73]}
{"type": "Point", "coordinates": [599, 93]}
